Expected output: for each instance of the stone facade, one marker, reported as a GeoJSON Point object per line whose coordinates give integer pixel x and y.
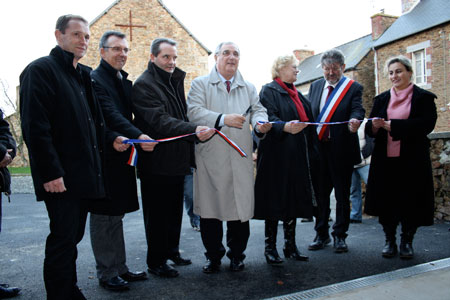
{"type": "Point", "coordinates": [440, 160]}
{"type": "Point", "coordinates": [436, 42]}
{"type": "Point", "coordinates": [158, 22]}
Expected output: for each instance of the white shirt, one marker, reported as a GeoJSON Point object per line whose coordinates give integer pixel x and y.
{"type": "Point", "coordinates": [222, 118]}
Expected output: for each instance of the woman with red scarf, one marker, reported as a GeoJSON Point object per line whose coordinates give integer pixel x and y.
{"type": "Point", "coordinates": [400, 187]}
{"type": "Point", "coordinates": [285, 186]}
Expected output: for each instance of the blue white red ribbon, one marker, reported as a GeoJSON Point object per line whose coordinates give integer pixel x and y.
{"type": "Point", "coordinates": [132, 161]}
{"type": "Point", "coordinates": [313, 123]}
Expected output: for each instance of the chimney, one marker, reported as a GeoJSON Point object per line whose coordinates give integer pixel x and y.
{"type": "Point", "coordinates": [408, 5]}
{"type": "Point", "coordinates": [302, 54]}
{"type": "Point", "coordinates": [381, 22]}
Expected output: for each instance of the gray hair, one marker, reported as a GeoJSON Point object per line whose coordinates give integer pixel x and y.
{"type": "Point", "coordinates": [281, 62]}
{"type": "Point", "coordinates": [106, 36]}
{"type": "Point", "coordinates": [398, 59]}
{"type": "Point", "coordinates": [217, 51]}
{"type": "Point", "coordinates": [63, 21]}
{"type": "Point", "coordinates": [155, 48]}
{"type": "Point", "coordinates": [332, 56]}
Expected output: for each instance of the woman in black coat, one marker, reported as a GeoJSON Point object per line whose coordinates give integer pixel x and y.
{"type": "Point", "coordinates": [400, 187]}
{"type": "Point", "coordinates": [286, 159]}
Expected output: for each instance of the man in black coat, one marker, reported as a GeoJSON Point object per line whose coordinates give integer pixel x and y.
{"type": "Point", "coordinates": [7, 153]}
{"type": "Point", "coordinates": [335, 98]}
{"type": "Point", "coordinates": [62, 125]}
{"type": "Point", "coordinates": [113, 90]}
{"type": "Point", "coordinates": [159, 106]}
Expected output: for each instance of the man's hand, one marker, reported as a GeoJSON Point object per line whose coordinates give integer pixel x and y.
{"type": "Point", "coordinates": [353, 125]}
{"type": "Point", "coordinates": [293, 127]}
{"type": "Point", "coordinates": [264, 128]}
{"type": "Point", "coordinates": [7, 159]}
{"type": "Point", "coordinates": [147, 146]}
{"type": "Point", "coordinates": [234, 120]}
{"type": "Point", "coordinates": [118, 145]}
{"type": "Point", "coordinates": [205, 135]}
{"type": "Point", "coordinates": [377, 123]}
{"type": "Point", "coordinates": [55, 186]}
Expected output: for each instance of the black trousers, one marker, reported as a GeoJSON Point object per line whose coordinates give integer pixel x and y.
{"type": "Point", "coordinates": [67, 223]}
{"type": "Point", "coordinates": [162, 206]}
{"type": "Point", "coordinates": [237, 237]}
{"type": "Point", "coordinates": [337, 175]}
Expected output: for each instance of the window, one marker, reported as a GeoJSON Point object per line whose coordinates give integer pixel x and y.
{"type": "Point", "coordinates": [419, 67]}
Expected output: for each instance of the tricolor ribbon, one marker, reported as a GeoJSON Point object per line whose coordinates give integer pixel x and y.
{"type": "Point", "coordinates": [312, 123]}
{"type": "Point", "coordinates": [132, 161]}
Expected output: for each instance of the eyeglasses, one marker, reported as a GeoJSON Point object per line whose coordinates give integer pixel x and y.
{"type": "Point", "coordinates": [333, 68]}
{"type": "Point", "coordinates": [118, 49]}
{"type": "Point", "coordinates": [227, 53]}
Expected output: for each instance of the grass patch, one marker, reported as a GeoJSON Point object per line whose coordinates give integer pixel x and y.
{"type": "Point", "coordinates": [20, 170]}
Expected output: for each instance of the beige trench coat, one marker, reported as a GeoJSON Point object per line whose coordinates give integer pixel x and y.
{"type": "Point", "coordinates": [223, 180]}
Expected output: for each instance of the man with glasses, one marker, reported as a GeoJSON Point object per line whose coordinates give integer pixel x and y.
{"type": "Point", "coordinates": [62, 125]}
{"type": "Point", "coordinates": [113, 90]}
{"type": "Point", "coordinates": [223, 180]}
{"type": "Point", "coordinates": [160, 108]}
{"type": "Point", "coordinates": [335, 98]}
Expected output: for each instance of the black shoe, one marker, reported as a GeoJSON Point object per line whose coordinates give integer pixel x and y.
{"type": "Point", "coordinates": [164, 270]}
{"type": "Point", "coordinates": [406, 250]}
{"type": "Point", "coordinates": [236, 264]}
{"type": "Point", "coordinates": [272, 257]}
{"type": "Point", "coordinates": [8, 292]}
{"type": "Point", "coordinates": [114, 284]}
{"type": "Point", "coordinates": [294, 254]}
{"type": "Point", "coordinates": [353, 221]}
{"type": "Point", "coordinates": [339, 245]}
{"type": "Point", "coordinates": [211, 266]}
{"type": "Point", "coordinates": [390, 249]}
{"type": "Point", "coordinates": [319, 243]}
{"type": "Point", "coordinates": [179, 261]}
{"type": "Point", "coordinates": [133, 276]}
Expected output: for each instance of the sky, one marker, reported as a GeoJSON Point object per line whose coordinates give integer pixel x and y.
{"type": "Point", "coordinates": [262, 29]}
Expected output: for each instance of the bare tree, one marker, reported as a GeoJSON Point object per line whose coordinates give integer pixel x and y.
{"type": "Point", "coordinates": [14, 123]}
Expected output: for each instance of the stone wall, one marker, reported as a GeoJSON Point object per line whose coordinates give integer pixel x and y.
{"type": "Point", "coordinates": [440, 160]}
{"type": "Point", "coordinates": [437, 47]}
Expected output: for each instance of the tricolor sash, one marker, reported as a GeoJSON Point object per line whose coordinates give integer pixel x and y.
{"type": "Point", "coordinates": [330, 106]}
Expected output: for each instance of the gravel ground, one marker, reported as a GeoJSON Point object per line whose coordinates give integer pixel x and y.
{"type": "Point", "coordinates": [22, 184]}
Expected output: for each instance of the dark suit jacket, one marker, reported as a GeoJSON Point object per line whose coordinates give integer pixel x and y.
{"type": "Point", "coordinates": [120, 180]}
{"type": "Point", "coordinates": [344, 144]}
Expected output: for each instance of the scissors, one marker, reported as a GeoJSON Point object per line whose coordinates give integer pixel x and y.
{"type": "Point", "coordinates": [249, 110]}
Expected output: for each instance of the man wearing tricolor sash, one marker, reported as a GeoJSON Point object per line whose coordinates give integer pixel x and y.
{"type": "Point", "coordinates": [335, 98]}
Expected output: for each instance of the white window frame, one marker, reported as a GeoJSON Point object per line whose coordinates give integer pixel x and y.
{"type": "Point", "coordinates": [424, 71]}
{"type": "Point", "coordinates": [419, 73]}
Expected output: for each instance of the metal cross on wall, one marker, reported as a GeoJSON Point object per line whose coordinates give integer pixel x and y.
{"type": "Point", "coordinates": [130, 25]}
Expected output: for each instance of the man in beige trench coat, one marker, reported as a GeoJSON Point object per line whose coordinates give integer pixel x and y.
{"type": "Point", "coordinates": [223, 180]}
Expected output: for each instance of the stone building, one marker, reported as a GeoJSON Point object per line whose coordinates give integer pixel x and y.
{"type": "Point", "coordinates": [142, 21]}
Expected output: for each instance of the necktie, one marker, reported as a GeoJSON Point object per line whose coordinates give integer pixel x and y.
{"type": "Point", "coordinates": [326, 134]}
{"type": "Point", "coordinates": [228, 85]}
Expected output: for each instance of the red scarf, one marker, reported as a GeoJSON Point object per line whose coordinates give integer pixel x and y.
{"type": "Point", "coordinates": [293, 93]}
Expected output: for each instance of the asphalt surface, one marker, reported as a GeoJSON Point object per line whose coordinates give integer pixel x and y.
{"type": "Point", "coordinates": [25, 228]}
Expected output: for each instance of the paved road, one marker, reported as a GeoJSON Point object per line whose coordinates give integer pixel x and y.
{"type": "Point", "coordinates": [25, 227]}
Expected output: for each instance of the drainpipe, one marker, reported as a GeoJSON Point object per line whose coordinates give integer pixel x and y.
{"type": "Point", "coordinates": [375, 59]}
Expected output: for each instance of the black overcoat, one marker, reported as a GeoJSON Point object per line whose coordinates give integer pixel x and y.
{"type": "Point", "coordinates": [159, 106]}
{"type": "Point", "coordinates": [62, 125]}
{"type": "Point", "coordinates": [114, 95]}
{"type": "Point", "coordinates": [287, 163]}
{"type": "Point", "coordinates": [416, 182]}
